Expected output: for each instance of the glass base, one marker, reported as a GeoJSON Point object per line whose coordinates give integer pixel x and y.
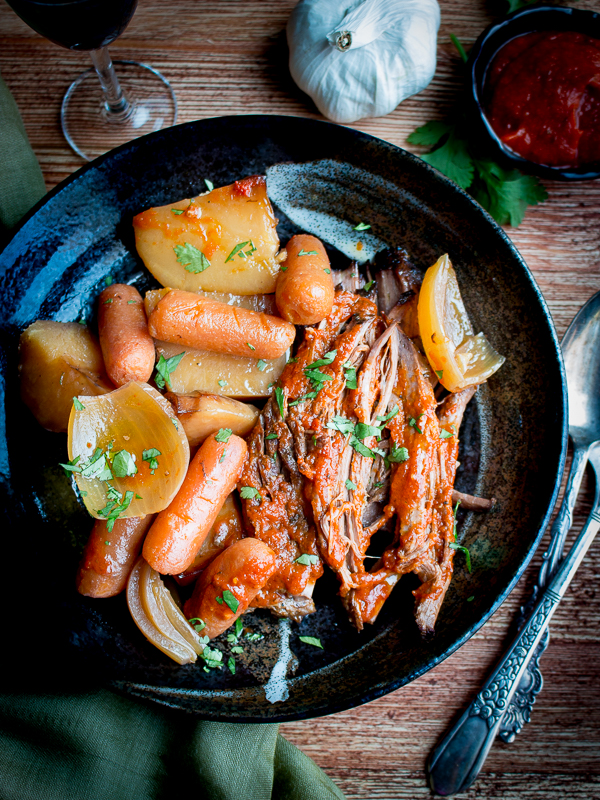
{"type": "Point", "coordinates": [91, 130]}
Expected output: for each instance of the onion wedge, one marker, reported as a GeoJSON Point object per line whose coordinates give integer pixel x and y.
{"type": "Point", "coordinates": [459, 357]}
{"type": "Point", "coordinates": [157, 616]}
{"type": "Point", "coordinates": [129, 453]}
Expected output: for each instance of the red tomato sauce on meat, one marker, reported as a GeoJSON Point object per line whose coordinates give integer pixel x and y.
{"type": "Point", "coordinates": [542, 97]}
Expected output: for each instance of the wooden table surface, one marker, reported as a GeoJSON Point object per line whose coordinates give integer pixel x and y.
{"type": "Point", "coordinates": [230, 57]}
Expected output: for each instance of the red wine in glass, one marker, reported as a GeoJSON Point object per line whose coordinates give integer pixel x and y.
{"type": "Point", "coordinates": [97, 115]}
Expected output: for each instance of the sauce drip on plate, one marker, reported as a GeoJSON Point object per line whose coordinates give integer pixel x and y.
{"type": "Point", "coordinates": [542, 97]}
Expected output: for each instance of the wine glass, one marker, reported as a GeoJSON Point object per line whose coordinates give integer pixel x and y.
{"type": "Point", "coordinates": [97, 115]}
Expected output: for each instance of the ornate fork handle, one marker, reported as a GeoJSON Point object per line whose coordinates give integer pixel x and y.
{"type": "Point", "coordinates": [518, 712]}
{"type": "Point", "coordinates": [456, 761]}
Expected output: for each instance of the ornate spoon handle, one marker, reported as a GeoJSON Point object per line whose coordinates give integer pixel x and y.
{"type": "Point", "coordinates": [456, 761]}
{"type": "Point", "coordinates": [518, 712]}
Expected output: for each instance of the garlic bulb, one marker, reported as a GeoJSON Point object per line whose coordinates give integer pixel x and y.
{"type": "Point", "coordinates": [361, 59]}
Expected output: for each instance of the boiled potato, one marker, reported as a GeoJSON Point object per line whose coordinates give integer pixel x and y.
{"type": "Point", "coordinates": [253, 302]}
{"type": "Point", "coordinates": [200, 248]}
{"type": "Point", "coordinates": [59, 361]}
{"type": "Point", "coordinates": [204, 414]}
{"type": "Point", "coordinates": [219, 373]}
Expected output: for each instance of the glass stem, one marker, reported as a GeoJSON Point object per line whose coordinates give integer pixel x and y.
{"type": "Point", "coordinates": [118, 107]}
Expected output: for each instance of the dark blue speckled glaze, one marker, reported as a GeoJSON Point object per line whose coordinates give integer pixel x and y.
{"type": "Point", "coordinates": [514, 439]}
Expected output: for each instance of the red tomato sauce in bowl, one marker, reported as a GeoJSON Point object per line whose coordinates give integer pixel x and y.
{"type": "Point", "coordinates": [542, 97]}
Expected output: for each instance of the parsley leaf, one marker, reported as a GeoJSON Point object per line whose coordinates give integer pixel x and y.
{"type": "Point", "coordinates": [306, 559]}
{"type": "Point", "coordinates": [231, 600]}
{"type": "Point", "coordinates": [249, 493]}
{"type": "Point", "coordinates": [123, 464]}
{"type": "Point", "coordinates": [150, 457]}
{"type": "Point", "coordinates": [461, 50]}
{"type": "Point", "coordinates": [464, 550]}
{"type": "Point", "coordinates": [362, 226]}
{"type": "Point", "coordinates": [178, 211]}
{"type": "Point", "coordinates": [261, 365]}
{"type": "Point", "coordinates": [361, 448]}
{"type": "Point", "coordinates": [253, 637]}
{"type": "Point", "coordinates": [307, 253]}
{"type": "Point", "coordinates": [222, 383]}
{"type": "Point", "coordinates": [197, 623]}
{"type": "Point", "coordinates": [390, 415]}
{"type": "Point", "coordinates": [209, 184]}
{"type": "Point", "coordinates": [212, 657]}
{"type": "Point", "coordinates": [397, 454]}
{"type": "Point", "coordinates": [108, 280]}
{"type": "Point", "coordinates": [271, 436]}
{"type": "Point", "coordinates": [303, 397]}
{"type": "Point", "coordinates": [192, 259]}
{"type": "Point", "coordinates": [113, 510]}
{"type": "Point", "coordinates": [341, 424]}
{"type": "Point", "coordinates": [231, 664]}
{"type": "Point", "coordinates": [327, 359]}
{"type": "Point", "coordinates": [413, 424]}
{"type": "Point", "coordinates": [350, 484]}
{"type": "Point", "coordinates": [164, 368]}
{"type": "Point", "coordinates": [223, 434]}
{"type": "Point", "coordinates": [350, 375]}
{"type": "Point", "coordinates": [97, 467]}
{"type": "Point", "coordinates": [505, 193]}
{"type": "Point", "coordinates": [237, 251]}
{"type": "Point", "coordinates": [71, 466]}
{"type": "Point", "coordinates": [237, 649]}
{"type": "Point", "coordinates": [311, 640]}
{"type": "Point", "coordinates": [78, 404]}
{"type": "Point", "coordinates": [368, 285]}
{"type": "Point", "coordinates": [444, 434]}
{"type": "Point", "coordinates": [362, 430]}
{"type": "Point", "coordinates": [279, 397]}
{"type": "Point", "coordinates": [439, 373]}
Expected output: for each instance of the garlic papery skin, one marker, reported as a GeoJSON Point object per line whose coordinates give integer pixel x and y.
{"type": "Point", "coordinates": [363, 59]}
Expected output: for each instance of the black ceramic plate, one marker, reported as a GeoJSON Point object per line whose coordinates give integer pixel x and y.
{"type": "Point", "coordinates": [513, 441]}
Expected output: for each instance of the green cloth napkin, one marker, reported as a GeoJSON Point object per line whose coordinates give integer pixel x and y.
{"type": "Point", "coordinates": [60, 743]}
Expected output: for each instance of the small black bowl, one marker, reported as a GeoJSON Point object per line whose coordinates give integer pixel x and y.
{"type": "Point", "coordinates": [528, 20]}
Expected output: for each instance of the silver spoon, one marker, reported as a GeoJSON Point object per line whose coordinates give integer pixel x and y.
{"type": "Point", "coordinates": [456, 761]}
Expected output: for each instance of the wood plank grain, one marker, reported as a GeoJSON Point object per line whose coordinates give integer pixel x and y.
{"type": "Point", "coordinates": [231, 57]}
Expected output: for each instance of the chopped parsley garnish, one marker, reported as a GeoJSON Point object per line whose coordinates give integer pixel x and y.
{"type": "Point", "coordinates": [253, 637]}
{"type": "Point", "coordinates": [178, 211]}
{"type": "Point", "coordinates": [307, 559]}
{"type": "Point", "coordinates": [271, 436]}
{"type": "Point", "coordinates": [413, 423]}
{"type": "Point", "coordinates": [164, 368]}
{"type": "Point", "coordinates": [239, 625]}
{"type": "Point", "coordinates": [279, 397]}
{"type": "Point", "coordinates": [362, 430]}
{"type": "Point", "coordinates": [71, 466]}
{"type": "Point", "coordinates": [237, 649]}
{"type": "Point", "coordinates": [282, 269]}
{"type": "Point", "coordinates": [391, 415]}
{"type": "Point", "coordinates": [470, 599]}
{"type": "Point", "coordinates": [78, 404]}
{"type": "Point", "coordinates": [292, 360]}
{"type": "Point", "coordinates": [249, 493]}
{"type": "Point", "coordinates": [307, 253]}
{"type": "Point", "coordinates": [151, 456]}
{"type": "Point", "coordinates": [223, 434]}
{"type": "Point", "coordinates": [327, 359]}
{"type": "Point", "coordinates": [439, 373]}
{"type": "Point", "coordinates": [192, 259]}
{"type": "Point", "coordinates": [311, 640]}
{"type": "Point", "coordinates": [212, 657]}
{"type": "Point", "coordinates": [108, 280]}
{"type": "Point", "coordinates": [209, 184]}
{"type": "Point", "coordinates": [368, 285]}
{"type": "Point", "coordinates": [238, 250]}
{"type": "Point", "coordinates": [350, 485]}
{"type": "Point", "coordinates": [362, 226]}
{"type": "Point", "coordinates": [123, 465]}
{"type": "Point", "coordinates": [362, 449]}
{"type": "Point", "coordinates": [251, 346]}
{"type": "Point", "coordinates": [341, 424]}
{"type": "Point", "coordinates": [350, 375]}
{"type": "Point", "coordinates": [107, 543]}
{"type": "Point", "coordinates": [464, 550]}
{"type": "Point", "coordinates": [197, 623]}
{"type": "Point", "coordinates": [444, 434]}
{"type": "Point", "coordinates": [327, 270]}
{"type": "Point", "coordinates": [315, 376]}
{"type": "Point", "coordinates": [108, 300]}
{"type": "Point", "coordinates": [231, 664]}
{"type": "Point", "coordinates": [174, 421]}
{"type": "Point", "coordinates": [131, 302]}
{"type": "Point", "coordinates": [222, 383]}
{"type": "Point", "coordinates": [303, 398]}
{"type": "Point", "coordinates": [231, 600]}
{"type": "Point", "coordinates": [113, 509]}
{"type": "Point", "coordinates": [397, 454]}
{"type": "Point", "coordinates": [261, 365]}
{"type": "Point", "coordinates": [97, 467]}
